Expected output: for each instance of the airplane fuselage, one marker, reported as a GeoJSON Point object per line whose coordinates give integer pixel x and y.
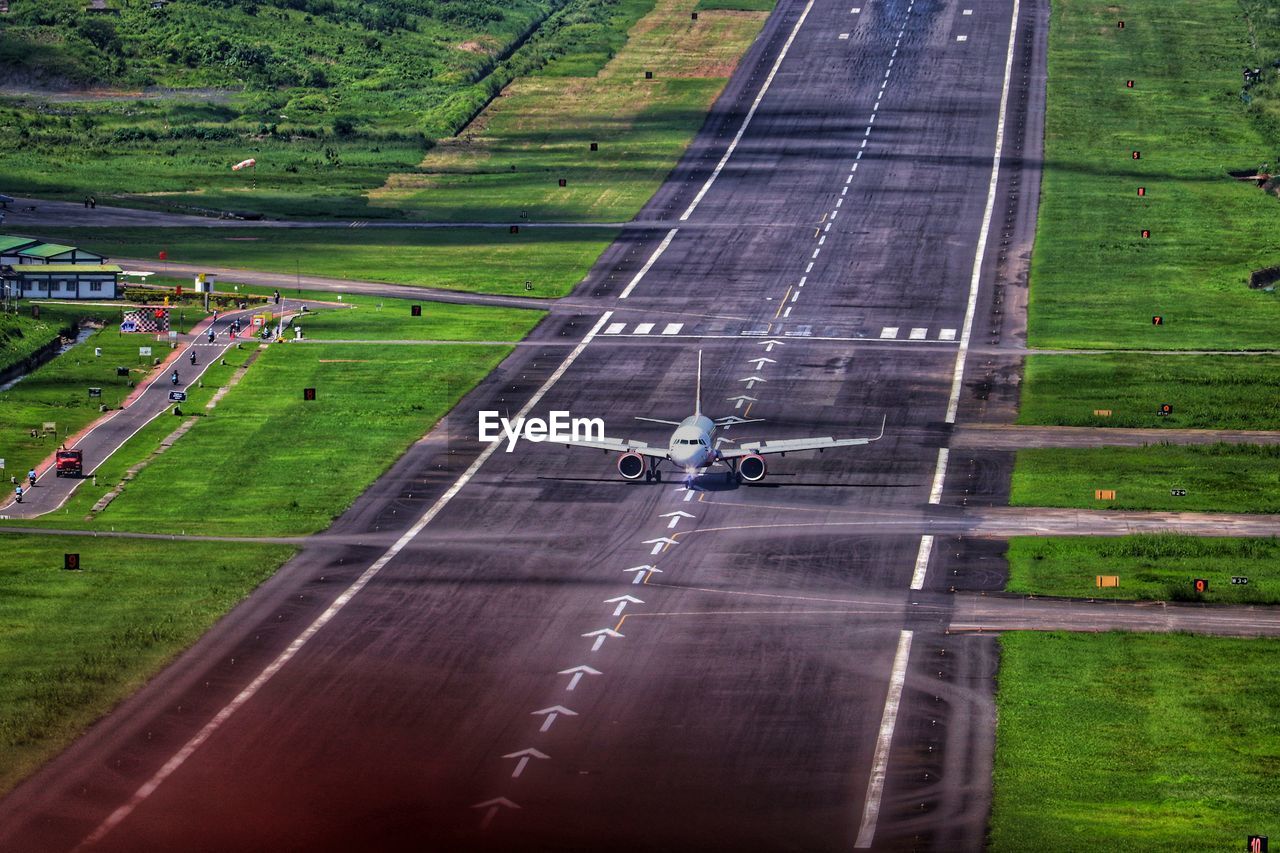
{"type": "Point", "coordinates": [692, 445]}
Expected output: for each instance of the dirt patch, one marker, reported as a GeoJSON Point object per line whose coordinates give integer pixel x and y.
{"type": "Point", "coordinates": [478, 47]}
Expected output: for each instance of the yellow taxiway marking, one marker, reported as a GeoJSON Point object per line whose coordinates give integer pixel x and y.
{"type": "Point", "coordinates": [747, 413]}
{"type": "Point", "coordinates": [618, 627]}
{"type": "Point", "coordinates": [783, 303]}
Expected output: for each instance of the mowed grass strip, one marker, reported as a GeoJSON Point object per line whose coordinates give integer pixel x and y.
{"type": "Point", "coordinates": [1206, 392]}
{"type": "Point", "coordinates": [1159, 567]}
{"type": "Point", "coordinates": [267, 462]}
{"type": "Point", "coordinates": [481, 260]}
{"type": "Point", "coordinates": [510, 160]}
{"type": "Point", "coordinates": [1095, 282]}
{"type": "Point", "coordinates": [73, 644]}
{"type": "Point", "coordinates": [1131, 742]}
{"type": "Point", "coordinates": [1217, 477]}
{"type": "Point", "coordinates": [368, 318]}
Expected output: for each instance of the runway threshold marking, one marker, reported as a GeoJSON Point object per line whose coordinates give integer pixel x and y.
{"type": "Point", "coordinates": [880, 763]}
{"type": "Point", "coordinates": [715, 173]}
{"type": "Point", "coordinates": [180, 757]}
{"type": "Point", "coordinates": [976, 277]}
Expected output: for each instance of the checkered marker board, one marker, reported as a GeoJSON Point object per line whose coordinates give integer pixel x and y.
{"type": "Point", "coordinates": [146, 320]}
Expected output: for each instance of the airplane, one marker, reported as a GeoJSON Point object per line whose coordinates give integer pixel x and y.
{"type": "Point", "coordinates": [692, 447]}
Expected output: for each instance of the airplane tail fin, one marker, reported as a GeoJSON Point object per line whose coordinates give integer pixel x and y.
{"type": "Point", "coordinates": [697, 402]}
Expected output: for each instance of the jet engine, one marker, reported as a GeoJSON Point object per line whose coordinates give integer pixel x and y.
{"type": "Point", "coordinates": [752, 468]}
{"type": "Point", "coordinates": [631, 466]}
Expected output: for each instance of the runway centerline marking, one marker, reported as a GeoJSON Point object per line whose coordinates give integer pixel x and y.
{"type": "Point", "coordinates": [209, 728]}
{"type": "Point", "coordinates": [715, 173]}
{"type": "Point", "coordinates": [976, 278]}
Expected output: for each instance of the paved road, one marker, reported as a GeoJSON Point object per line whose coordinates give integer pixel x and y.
{"type": "Point", "coordinates": [30, 213]}
{"type": "Point", "coordinates": [1007, 437]}
{"type": "Point", "coordinates": [1020, 613]}
{"type": "Point", "coordinates": [509, 675]}
{"type": "Point", "coordinates": [147, 402]}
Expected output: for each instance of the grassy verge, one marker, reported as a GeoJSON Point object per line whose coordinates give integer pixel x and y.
{"type": "Point", "coordinates": [22, 336]}
{"type": "Point", "coordinates": [511, 159]}
{"type": "Point", "coordinates": [1220, 477]}
{"type": "Point", "coordinates": [1206, 392]}
{"type": "Point", "coordinates": [301, 463]}
{"type": "Point", "coordinates": [1095, 282]}
{"type": "Point", "coordinates": [75, 643]}
{"type": "Point", "coordinates": [1129, 742]}
{"type": "Point", "coordinates": [58, 392]}
{"type": "Point", "coordinates": [485, 260]}
{"type": "Point", "coordinates": [391, 320]}
{"type": "Point", "coordinates": [1156, 567]}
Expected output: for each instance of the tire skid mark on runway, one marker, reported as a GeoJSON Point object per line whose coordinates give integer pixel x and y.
{"type": "Point", "coordinates": [209, 728]}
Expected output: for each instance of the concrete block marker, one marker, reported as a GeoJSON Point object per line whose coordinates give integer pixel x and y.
{"type": "Point", "coordinates": [962, 38]}
{"type": "Point", "coordinates": [844, 36]}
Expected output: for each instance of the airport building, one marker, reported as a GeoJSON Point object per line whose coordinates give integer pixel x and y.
{"type": "Point", "coordinates": [35, 269]}
{"type": "Point", "coordinates": [64, 281]}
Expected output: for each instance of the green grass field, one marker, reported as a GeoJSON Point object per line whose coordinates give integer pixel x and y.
{"type": "Point", "coordinates": [1206, 392]}
{"type": "Point", "coordinates": [1130, 742]}
{"type": "Point", "coordinates": [1222, 477]}
{"type": "Point", "coordinates": [1094, 281]}
{"type": "Point", "coordinates": [391, 320]}
{"type": "Point", "coordinates": [484, 260]}
{"type": "Point", "coordinates": [21, 335]}
{"type": "Point", "coordinates": [511, 159]}
{"type": "Point", "coordinates": [73, 644]}
{"type": "Point", "coordinates": [1151, 566]}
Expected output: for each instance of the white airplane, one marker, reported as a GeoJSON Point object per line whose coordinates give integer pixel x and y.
{"type": "Point", "coordinates": [692, 447]}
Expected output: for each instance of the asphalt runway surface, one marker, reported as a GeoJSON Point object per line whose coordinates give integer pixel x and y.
{"type": "Point", "coordinates": [549, 658]}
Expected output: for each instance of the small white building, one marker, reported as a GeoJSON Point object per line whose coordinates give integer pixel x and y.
{"type": "Point", "coordinates": [66, 281]}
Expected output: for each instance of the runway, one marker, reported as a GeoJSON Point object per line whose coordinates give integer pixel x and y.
{"type": "Point", "coordinates": [545, 657]}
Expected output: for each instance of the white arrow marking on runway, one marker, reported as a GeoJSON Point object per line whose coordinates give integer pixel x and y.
{"type": "Point", "coordinates": [622, 601]}
{"type": "Point", "coordinates": [493, 806]}
{"type": "Point", "coordinates": [771, 343]}
{"type": "Point", "coordinates": [659, 544]}
{"type": "Point", "coordinates": [742, 398]}
{"type": "Point", "coordinates": [551, 714]}
{"type": "Point", "coordinates": [641, 571]}
{"type": "Point", "coordinates": [675, 517]}
{"type": "Point", "coordinates": [761, 362]}
{"type": "Point", "coordinates": [600, 635]}
{"type": "Point", "coordinates": [752, 380]}
{"type": "Point", "coordinates": [577, 672]}
{"type": "Point", "coordinates": [524, 755]}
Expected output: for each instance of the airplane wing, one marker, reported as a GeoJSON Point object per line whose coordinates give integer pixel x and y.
{"type": "Point", "coordinates": [762, 448]}
{"type": "Point", "coordinates": [615, 444]}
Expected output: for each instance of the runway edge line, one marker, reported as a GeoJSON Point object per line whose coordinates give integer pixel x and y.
{"type": "Point", "coordinates": [179, 758]}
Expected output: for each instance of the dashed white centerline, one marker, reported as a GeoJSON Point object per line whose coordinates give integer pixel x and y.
{"type": "Point", "coordinates": [809, 268]}
{"type": "Point", "coordinates": [880, 762]}
{"type": "Point", "coordinates": [939, 476]}
{"type": "Point", "coordinates": [815, 252]}
{"type": "Point", "coordinates": [787, 312]}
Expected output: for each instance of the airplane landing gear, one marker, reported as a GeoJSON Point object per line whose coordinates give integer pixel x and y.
{"type": "Point", "coordinates": [652, 474]}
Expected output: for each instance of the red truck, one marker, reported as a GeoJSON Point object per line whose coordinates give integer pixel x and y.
{"type": "Point", "coordinates": [69, 463]}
